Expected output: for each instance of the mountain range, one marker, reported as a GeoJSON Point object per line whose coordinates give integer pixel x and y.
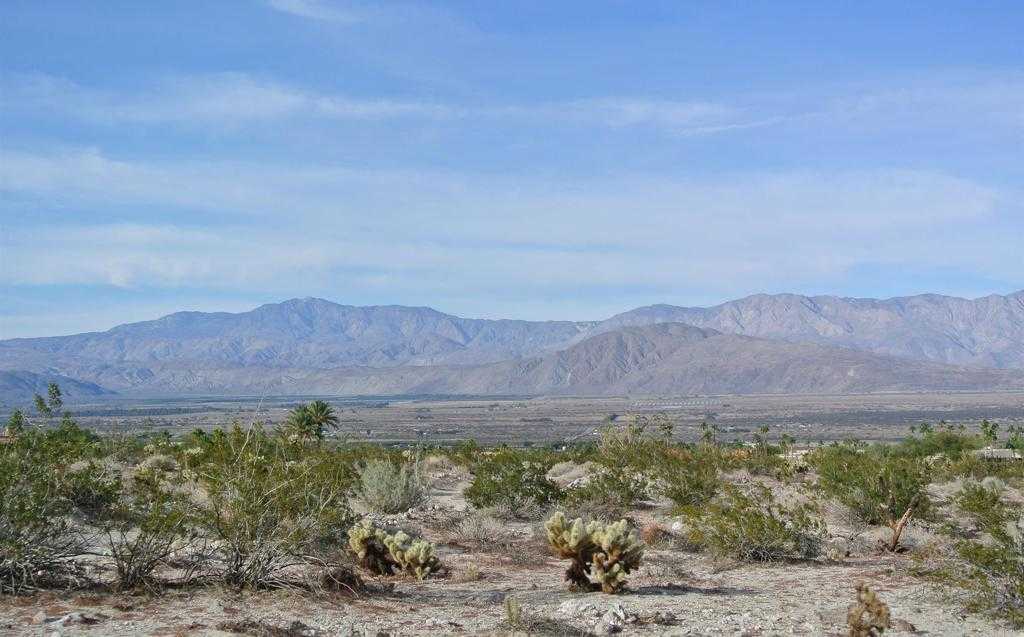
{"type": "Point", "coordinates": [758, 344]}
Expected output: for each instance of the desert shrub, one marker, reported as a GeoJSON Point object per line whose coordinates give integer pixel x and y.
{"type": "Point", "coordinates": [266, 510]}
{"type": "Point", "coordinates": [385, 487]}
{"type": "Point", "coordinates": [38, 544]}
{"type": "Point", "coordinates": [755, 526]}
{"type": "Point", "coordinates": [478, 530]}
{"type": "Point", "coordinates": [601, 555]}
{"type": "Point", "coordinates": [982, 502]}
{"type": "Point", "coordinates": [881, 488]}
{"type": "Point", "coordinates": [148, 525]}
{"type": "Point", "coordinates": [869, 616]}
{"type": "Point", "coordinates": [510, 480]}
{"type": "Point", "coordinates": [988, 571]}
{"type": "Point", "coordinates": [610, 491]}
{"type": "Point", "coordinates": [385, 553]}
{"type": "Point", "coordinates": [91, 488]}
{"type": "Point", "coordinates": [689, 479]}
{"type": "Point", "coordinates": [948, 443]}
{"type": "Point", "coordinates": [466, 453]}
{"type": "Point", "coordinates": [764, 458]}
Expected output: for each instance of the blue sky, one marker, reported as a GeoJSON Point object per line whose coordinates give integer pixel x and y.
{"type": "Point", "coordinates": [526, 160]}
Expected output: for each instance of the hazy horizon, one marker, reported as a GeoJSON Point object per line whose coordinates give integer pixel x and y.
{"type": "Point", "coordinates": [538, 161]}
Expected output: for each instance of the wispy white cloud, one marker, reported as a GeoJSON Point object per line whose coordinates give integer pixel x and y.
{"type": "Point", "coordinates": [223, 99]}
{"type": "Point", "coordinates": [317, 10]}
{"type": "Point", "coordinates": [402, 233]}
{"type": "Point", "coordinates": [953, 104]}
{"type": "Point", "coordinates": [234, 100]}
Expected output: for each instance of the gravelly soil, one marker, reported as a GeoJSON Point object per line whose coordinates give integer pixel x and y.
{"type": "Point", "coordinates": [793, 599]}
{"type": "Point", "coordinates": [674, 593]}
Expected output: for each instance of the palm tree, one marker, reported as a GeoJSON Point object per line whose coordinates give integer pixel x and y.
{"type": "Point", "coordinates": [310, 420]}
{"type": "Point", "coordinates": [322, 415]}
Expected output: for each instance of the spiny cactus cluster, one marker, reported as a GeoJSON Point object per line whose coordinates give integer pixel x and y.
{"type": "Point", "coordinates": [387, 553]}
{"type": "Point", "coordinates": [869, 617]}
{"type": "Point", "coordinates": [602, 554]}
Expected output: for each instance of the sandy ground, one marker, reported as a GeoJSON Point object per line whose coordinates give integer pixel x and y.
{"type": "Point", "coordinates": [673, 594]}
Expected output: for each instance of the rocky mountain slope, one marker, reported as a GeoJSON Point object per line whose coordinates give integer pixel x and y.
{"type": "Point", "coordinates": [779, 343]}
{"type": "Point", "coordinates": [17, 386]}
{"type": "Point", "coordinates": [985, 332]}
{"type": "Point", "coordinates": [301, 333]}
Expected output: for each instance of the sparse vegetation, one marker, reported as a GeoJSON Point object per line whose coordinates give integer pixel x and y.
{"type": "Point", "coordinates": [388, 487]}
{"type": "Point", "coordinates": [753, 525]}
{"type": "Point", "coordinates": [511, 481]}
{"type": "Point", "coordinates": [256, 509]}
{"type": "Point", "coordinates": [880, 486]}
{"type": "Point", "coordinates": [988, 571]}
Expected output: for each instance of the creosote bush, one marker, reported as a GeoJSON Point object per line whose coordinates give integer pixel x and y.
{"type": "Point", "coordinates": [387, 487]}
{"type": "Point", "coordinates": [602, 555]}
{"type": "Point", "coordinates": [510, 480]}
{"type": "Point", "coordinates": [47, 478]}
{"type": "Point", "coordinates": [149, 523]}
{"type": "Point", "coordinates": [881, 486]}
{"type": "Point", "coordinates": [752, 525]}
{"type": "Point", "coordinates": [265, 509]}
{"type": "Point", "coordinates": [989, 570]}
{"type": "Point", "coordinates": [386, 553]}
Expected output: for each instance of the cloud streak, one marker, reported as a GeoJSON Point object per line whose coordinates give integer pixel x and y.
{"type": "Point", "coordinates": [237, 101]}
{"type": "Point", "coordinates": [400, 234]}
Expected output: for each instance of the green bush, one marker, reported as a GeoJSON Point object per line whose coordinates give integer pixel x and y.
{"type": "Point", "coordinates": [386, 487]}
{"type": "Point", "coordinates": [266, 510]}
{"type": "Point", "coordinates": [609, 492]}
{"type": "Point", "coordinates": [38, 544]}
{"type": "Point", "coordinates": [148, 524]}
{"type": "Point", "coordinates": [878, 486]}
{"type": "Point", "coordinates": [689, 478]}
{"type": "Point", "coordinates": [982, 502]}
{"type": "Point", "coordinates": [990, 570]}
{"type": "Point", "coordinates": [509, 480]}
{"type": "Point", "coordinates": [754, 526]}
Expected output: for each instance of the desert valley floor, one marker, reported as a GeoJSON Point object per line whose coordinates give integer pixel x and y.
{"type": "Point", "coordinates": [496, 420]}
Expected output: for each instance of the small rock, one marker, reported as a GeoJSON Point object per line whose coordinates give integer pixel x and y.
{"type": "Point", "coordinates": [904, 625]}
{"type": "Point", "coordinates": [79, 618]}
{"type": "Point", "coordinates": [578, 608]}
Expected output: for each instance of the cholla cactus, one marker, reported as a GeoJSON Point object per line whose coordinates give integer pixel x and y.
{"type": "Point", "coordinates": [869, 617]}
{"type": "Point", "coordinates": [602, 554]}
{"type": "Point", "coordinates": [412, 556]}
{"type": "Point", "coordinates": [387, 553]}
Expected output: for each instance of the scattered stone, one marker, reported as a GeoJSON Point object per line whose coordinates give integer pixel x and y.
{"type": "Point", "coordinates": [578, 608]}
{"type": "Point", "coordinates": [257, 628]}
{"type": "Point", "coordinates": [79, 618]}
{"type": "Point", "coordinates": [904, 625]}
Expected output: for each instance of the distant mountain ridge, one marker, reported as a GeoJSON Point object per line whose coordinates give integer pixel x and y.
{"type": "Point", "coordinates": [308, 332]}
{"type": "Point", "coordinates": [984, 332]}
{"type": "Point", "coordinates": [762, 343]}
